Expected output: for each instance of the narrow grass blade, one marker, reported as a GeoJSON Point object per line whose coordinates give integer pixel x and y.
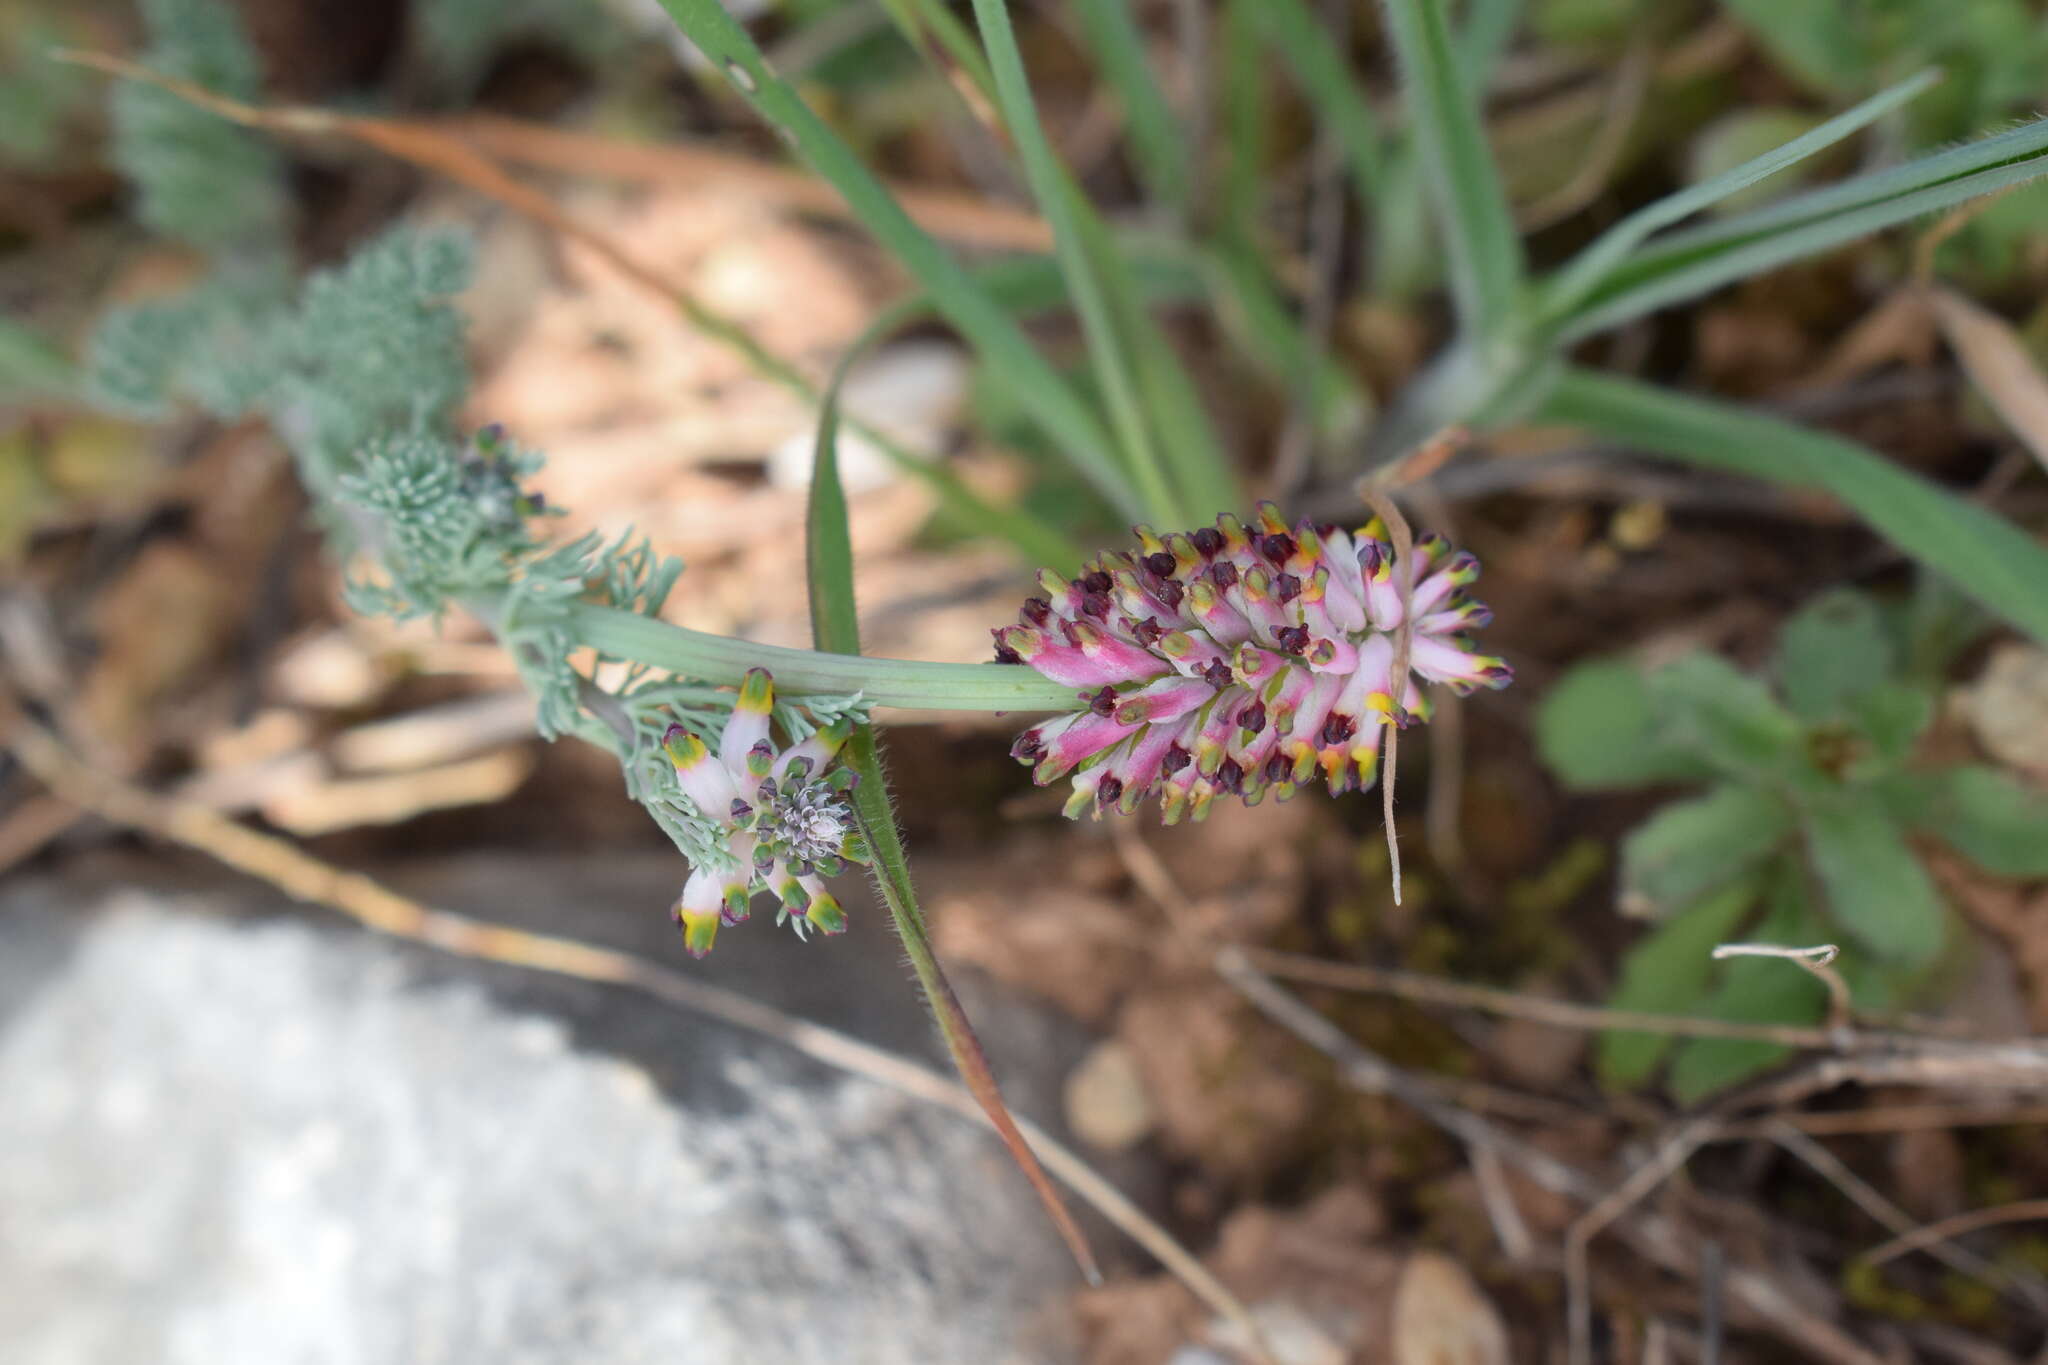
{"type": "Point", "coordinates": [1158, 143]}
{"type": "Point", "coordinates": [1691, 262]}
{"type": "Point", "coordinates": [1197, 468]}
{"type": "Point", "coordinates": [1340, 102]}
{"type": "Point", "coordinates": [1485, 251]}
{"type": "Point", "coordinates": [1488, 29]}
{"type": "Point", "coordinates": [937, 33]}
{"type": "Point", "coordinates": [1585, 271]}
{"type": "Point", "coordinates": [1058, 200]}
{"type": "Point", "coordinates": [1245, 95]}
{"type": "Point", "coordinates": [835, 627]}
{"type": "Point", "coordinates": [1675, 278]}
{"type": "Point", "coordinates": [1246, 301]}
{"type": "Point", "coordinates": [1987, 557]}
{"type": "Point", "coordinates": [1040, 389]}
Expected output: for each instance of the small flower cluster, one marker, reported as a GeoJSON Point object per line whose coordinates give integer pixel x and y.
{"type": "Point", "coordinates": [1241, 660]}
{"type": "Point", "coordinates": [782, 815]}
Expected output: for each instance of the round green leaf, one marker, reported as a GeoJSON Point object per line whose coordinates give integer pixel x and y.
{"type": "Point", "coordinates": [1876, 888]}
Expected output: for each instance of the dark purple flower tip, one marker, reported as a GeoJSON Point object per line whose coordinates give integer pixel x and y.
{"type": "Point", "coordinates": [1208, 540]}
{"type": "Point", "coordinates": [1161, 563]}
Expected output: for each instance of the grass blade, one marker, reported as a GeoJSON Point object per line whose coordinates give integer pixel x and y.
{"type": "Point", "coordinates": [1585, 271]}
{"type": "Point", "coordinates": [1691, 262]}
{"type": "Point", "coordinates": [1485, 251]}
{"type": "Point", "coordinates": [1250, 309]}
{"type": "Point", "coordinates": [1675, 278]}
{"type": "Point", "coordinates": [1339, 100]}
{"type": "Point", "coordinates": [1987, 557]}
{"type": "Point", "coordinates": [1058, 200]}
{"type": "Point", "coordinates": [1041, 391]}
{"type": "Point", "coordinates": [1158, 145]}
{"type": "Point", "coordinates": [835, 628]}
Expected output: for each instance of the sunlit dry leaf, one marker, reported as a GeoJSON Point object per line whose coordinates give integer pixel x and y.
{"type": "Point", "coordinates": [1442, 1318]}
{"type": "Point", "coordinates": [1996, 360]}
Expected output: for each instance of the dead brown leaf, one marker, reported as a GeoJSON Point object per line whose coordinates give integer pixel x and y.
{"type": "Point", "coordinates": [1218, 1077]}
{"type": "Point", "coordinates": [1998, 363]}
{"type": "Point", "coordinates": [1442, 1318]}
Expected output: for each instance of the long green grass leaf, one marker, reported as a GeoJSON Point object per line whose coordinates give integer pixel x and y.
{"type": "Point", "coordinates": [1251, 310]}
{"type": "Point", "coordinates": [1987, 557]}
{"type": "Point", "coordinates": [1333, 90]}
{"type": "Point", "coordinates": [1040, 389]}
{"type": "Point", "coordinates": [1485, 250]}
{"type": "Point", "coordinates": [1585, 271]}
{"type": "Point", "coordinates": [1687, 263]}
{"type": "Point", "coordinates": [1157, 138]}
{"type": "Point", "coordinates": [835, 628]}
{"type": "Point", "coordinates": [1674, 279]}
{"type": "Point", "coordinates": [1058, 198]}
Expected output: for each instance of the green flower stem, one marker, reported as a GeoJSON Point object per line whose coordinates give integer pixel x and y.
{"type": "Point", "coordinates": [906, 683]}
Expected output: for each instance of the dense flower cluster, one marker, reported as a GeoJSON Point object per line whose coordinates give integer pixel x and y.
{"type": "Point", "coordinates": [1241, 660]}
{"type": "Point", "coordinates": [782, 816]}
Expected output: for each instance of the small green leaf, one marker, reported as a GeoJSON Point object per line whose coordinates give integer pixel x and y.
{"type": "Point", "coordinates": [1690, 848]}
{"type": "Point", "coordinates": [1892, 716]}
{"type": "Point", "coordinates": [1833, 650]}
{"type": "Point", "coordinates": [1989, 817]}
{"type": "Point", "coordinates": [1754, 991]}
{"type": "Point", "coordinates": [1476, 225]}
{"type": "Point", "coordinates": [1725, 716]}
{"type": "Point", "coordinates": [1667, 972]}
{"type": "Point", "coordinates": [1597, 729]}
{"type": "Point", "coordinates": [1876, 889]}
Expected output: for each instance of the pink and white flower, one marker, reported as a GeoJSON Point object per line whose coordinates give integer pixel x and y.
{"type": "Point", "coordinates": [1241, 660]}
{"type": "Point", "coordinates": [782, 814]}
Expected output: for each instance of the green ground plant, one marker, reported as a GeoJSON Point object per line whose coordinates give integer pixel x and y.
{"type": "Point", "coordinates": [1807, 828]}
{"type": "Point", "coordinates": [360, 370]}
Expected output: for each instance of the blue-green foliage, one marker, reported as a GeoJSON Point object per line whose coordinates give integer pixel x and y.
{"type": "Point", "coordinates": [373, 351]}
{"type": "Point", "coordinates": [197, 177]}
{"type": "Point", "coordinates": [210, 345]}
{"type": "Point", "coordinates": [1800, 835]}
{"type": "Point", "coordinates": [37, 96]}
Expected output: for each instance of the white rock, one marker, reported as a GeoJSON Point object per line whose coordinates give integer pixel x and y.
{"type": "Point", "coordinates": [423, 1175]}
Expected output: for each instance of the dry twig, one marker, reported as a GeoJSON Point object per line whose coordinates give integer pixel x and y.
{"type": "Point", "coordinates": [1817, 962]}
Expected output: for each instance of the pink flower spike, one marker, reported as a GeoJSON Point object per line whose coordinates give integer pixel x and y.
{"type": "Point", "coordinates": [1238, 660]}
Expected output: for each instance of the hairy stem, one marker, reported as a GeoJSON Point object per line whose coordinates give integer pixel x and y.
{"type": "Point", "coordinates": [884, 682]}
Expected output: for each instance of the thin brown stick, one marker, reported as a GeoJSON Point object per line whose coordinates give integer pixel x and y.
{"type": "Point", "coordinates": [1817, 962]}
{"type": "Point", "coordinates": [1652, 1235]}
{"type": "Point", "coordinates": [311, 881]}
{"type": "Point", "coordinates": [1898, 1118]}
{"type": "Point", "coordinates": [1436, 990]}
{"type": "Point", "coordinates": [1578, 1239]}
{"type": "Point", "coordinates": [1921, 1239]}
{"type": "Point", "coordinates": [964, 218]}
{"type": "Point", "coordinates": [2029, 1291]}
